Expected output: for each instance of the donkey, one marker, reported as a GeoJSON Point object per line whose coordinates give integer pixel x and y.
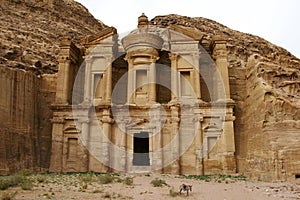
{"type": "Point", "coordinates": [184, 188]}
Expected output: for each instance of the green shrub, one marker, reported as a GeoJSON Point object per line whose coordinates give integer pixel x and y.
{"type": "Point", "coordinates": [41, 178]}
{"type": "Point", "coordinates": [106, 179]}
{"type": "Point", "coordinates": [128, 181]}
{"type": "Point", "coordinates": [14, 180]}
{"type": "Point", "coordinates": [26, 184]}
{"type": "Point", "coordinates": [158, 182]}
{"type": "Point", "coordinates": [4, 184]}
{"type": "Point", "coordinates": [24, 172]}
{"type": "Point", "coordinates": [215, 177]}
{"type": "Point", "coordinates": [87, 178]}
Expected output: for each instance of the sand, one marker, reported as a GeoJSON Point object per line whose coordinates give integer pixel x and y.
{"type": "Point", "coordinates": [69, 187]}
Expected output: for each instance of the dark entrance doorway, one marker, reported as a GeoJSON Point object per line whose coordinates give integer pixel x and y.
{"type": "Point", "coordinates": [141, 149]}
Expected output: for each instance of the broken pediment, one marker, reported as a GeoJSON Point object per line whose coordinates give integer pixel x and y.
{"type": "Point", "coordinates": [192, 33]}
{"type": "Point", "coordinates": [99, 37]}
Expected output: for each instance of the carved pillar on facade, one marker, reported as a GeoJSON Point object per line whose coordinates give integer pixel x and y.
{"type": "Point", "coordinates": [130, 84]}
{"type": "Point", "coordinates": [152, 78]}
{"type": "Point", "coordinates": [85, 134]}
{"type": "Point", "coordinates": [174, 76]}
{"type": "Point", "coordinates": [175, 149]}
{"type": "Point", "coordinates": [63, 79]}
{"type": "Point", "coordinates": [220, 56]}
{"type": "Point", "coordinates": [56, 163]}
{"type": "Point", "coordinates": [109, 80]}
{"type": "Point", "coordinates": [87, 80]}
{"type": "Point", "coordinates": [106, 140]}
{"type": "Point", "coordinates": [228, 143]}
{"type": "Point", "coordinates": [196, 75]}
{"type": "Point", "coordinates": [199, 143]}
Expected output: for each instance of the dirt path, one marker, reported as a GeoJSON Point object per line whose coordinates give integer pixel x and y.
{"type": "Point", "coordinates": [69, 187]}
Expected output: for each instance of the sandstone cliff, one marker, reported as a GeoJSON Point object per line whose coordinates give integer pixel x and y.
{"type": "Point", "coordinates": [265, 83]}
{"type": "Point", "coordinates": [31, 31]}
{"type": "Point", "coordinates": [29, 45]}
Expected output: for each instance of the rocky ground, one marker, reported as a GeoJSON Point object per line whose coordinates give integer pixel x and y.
{"type": "Point", "coordinates": [146, 186]}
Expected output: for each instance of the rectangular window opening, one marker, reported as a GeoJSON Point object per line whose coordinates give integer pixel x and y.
{"type": "Point", "coordinates": [185, 83]}
{"type": "Point", "coordinates": [141, 80]}
{"type": "Point", "coordinates": [98, 83]}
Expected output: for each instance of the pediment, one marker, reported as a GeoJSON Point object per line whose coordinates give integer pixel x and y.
{"type": "Point", "coordinates": [187, 33]}
{"type": "Point", "coordinates": [99, 37]}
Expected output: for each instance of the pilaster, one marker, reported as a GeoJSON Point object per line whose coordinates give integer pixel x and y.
{"type": "Point", "coordinates": [109, 80]}
{"type": "Point", "coordinates": [152, 78]}
{"type": "Point", "coordinates": [174, 76]}
{"type": "Point", "coordinates": [220, 56]}
{"type": "Point", "coordinates": [175, 149]}
{"type": "Point", "coordinates": [87, 80]}
{"type": "Point", "coordinates": [106, 140]}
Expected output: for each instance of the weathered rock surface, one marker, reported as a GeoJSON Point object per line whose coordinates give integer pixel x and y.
{"type": "Point", "coordinates": [265, 83]}
{"type": "Point", "coordinates": [31, 31]}
{"type": "Point", "coordinates": [29, 44]}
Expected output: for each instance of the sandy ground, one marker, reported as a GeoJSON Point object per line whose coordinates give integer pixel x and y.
{"type": "Point", "coordinates": [69, 187]}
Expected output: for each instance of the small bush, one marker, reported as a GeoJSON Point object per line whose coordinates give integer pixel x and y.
{"type": "Point", "coordinates": [128, 181]}
{"type": "Point", "coordinates": [24, 172]}
{"type": "Point", "coordinates": [26, 185]}
{"type": "Point", "coordinates": [158, 182]}
{"type": "Point", "coordinates": [4, 184]}
{"type": "Point", "coordinates": [106, 179]}
{"type": "Point", "coordinates": [87, 178]}
{"type": "Point", "coordinates": [8, 195]}
{"type": "Point", "coordinates": [41, 178]}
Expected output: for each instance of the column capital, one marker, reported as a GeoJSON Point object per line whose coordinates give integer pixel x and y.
{"type": "Point", "coordinates": [219, 46]}
{"type": "Point", "coordinates": [58, 120]}
{"type": "Point", "coordinates": [64, 59]}
{"type": "Point", "coordinates": [173, 56]}
{"type": "Point", "coordinates": [84, 120]}
{"type": "Point", "coordinates": [154, 58]}
{"type": "Point", "coordinates": [107, 119]}
{"type": "Point", "coordinates": [109, 58]}
{"type": "Point", "coordinates": [128, 58]}
{"type": "Point", "coordinates": [220, 53]}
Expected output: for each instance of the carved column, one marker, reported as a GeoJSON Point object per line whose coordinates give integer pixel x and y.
{"type": "Point", "coordinates": [175, 149]}
{"type": "Point", "coordinates": [152, 79]}
{"type": "Point", "coordinates": [85, 133]}
{"type": "Point", "coordinates": [106, 141]}
{"type": "Point", "coordinates": [229, 161]}
{"type": "Point", "coordinates": [196, 77]}
{"type": "Point", "coordinates": [174, 76]}
{"type": "Point", "coordinates": [56, 163]}
{"type": "Point", "coordinates": [62, 91]}
{"type": "Point", "coordinates": [130, 84]}
{"type": "Point", "coordinates": [220, 56]}
{"type": "Point", "coordinates": [88, 80]}
{"type": "Point", "coordinates": [109, 81]}
{"type": "Point", "coordinates": [199, 144]}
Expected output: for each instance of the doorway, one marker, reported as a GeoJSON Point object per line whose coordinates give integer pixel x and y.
{"type": "Point", "coordinates": [141, 149]}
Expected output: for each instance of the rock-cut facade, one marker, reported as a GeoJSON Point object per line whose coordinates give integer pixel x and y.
{"type": "Point", "coordinates": [156, 100]}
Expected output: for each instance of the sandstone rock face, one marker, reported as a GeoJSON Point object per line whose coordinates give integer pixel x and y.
{"type": "Point", "coordinates": [264, 82]}
{"type": "Point", "coordinates": [31, 31]}
{"type": "Point", "coordinates": [29, 45]}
